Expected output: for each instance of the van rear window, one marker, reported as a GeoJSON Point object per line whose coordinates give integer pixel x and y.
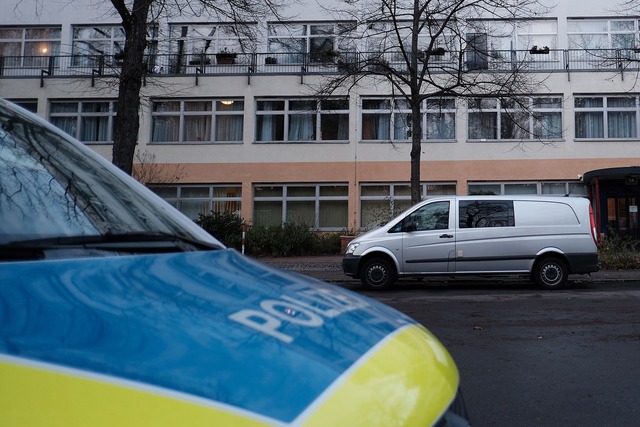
{"type": "Point", "coordinates": [489, 213]}
{"type": "Point", "coordinates": [545, 213]}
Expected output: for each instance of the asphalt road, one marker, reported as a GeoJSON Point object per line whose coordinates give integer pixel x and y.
{"type": "Point", "coordinates": [529, 357]}
{"type": "Point", "coordinates": [536, 358]}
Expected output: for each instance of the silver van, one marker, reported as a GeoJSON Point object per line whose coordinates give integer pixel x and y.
{"type": "Point", "coordinates": [547, 238]}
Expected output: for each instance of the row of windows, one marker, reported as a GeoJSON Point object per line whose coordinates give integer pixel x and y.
{"type": "Point", "coordinates": [325, 206]}
{"type": "Point", "coordinates": [197, 121]}
{"type": "Point", "coordinates": [196, 200]}
{"type": "Point", "coordinates": [317, 38]}
{"type": "Point", "coordinates": [302, 120]}
{"type": "Point", "coordinates": [382, 119]}
{"type": "Point", "coordinates": [484, 214]}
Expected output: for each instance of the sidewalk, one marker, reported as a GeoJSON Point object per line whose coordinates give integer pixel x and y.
{"type": "Point", "coordinates": [329, 268]}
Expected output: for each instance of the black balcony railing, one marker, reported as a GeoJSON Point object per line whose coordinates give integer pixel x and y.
{"type": "Point", "coordinates": [320, 63]}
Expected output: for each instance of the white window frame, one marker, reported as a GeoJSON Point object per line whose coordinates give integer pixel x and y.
{"type": "Point", "coordinates": [399, 108]}
{"type": "Point", "coordinates": [91, 44]}
{"type": "Point", "coordinates": [45, 47]}
{"type": "Point", "coordinates": [383, 39]}
{"type": "Point", "coordinates": [393, 198]}
{"type": "Point", "coordinates": [178, 196]}
{"type": "Point", "coordinates": [292, 41]}
{"type": "Point", "coordinates": [606, 111]}
{"type": "Point", "coordinates": [317, 199]}
{"type": "Point", "coordinates": [288, 112]}
{"type": "Point", "coordinates": [578, 38]}
{"type": "Point", "coordinates": [494, 106]}
{"type": "Point", "coordinates": [540, 188]}
{"type": "Point", "coordinates": [216, 111]}
{"type": "Point", "coordinates": [79, 115]}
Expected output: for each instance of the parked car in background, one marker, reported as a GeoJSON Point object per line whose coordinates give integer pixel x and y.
{"type": "Point", "coordinates": [547, 238]}
{"type": "Point", "coordinates": [117, 310]}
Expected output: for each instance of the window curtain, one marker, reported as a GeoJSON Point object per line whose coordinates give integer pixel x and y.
{"type": "Point", "coordinates": [229, 128]}
{"type": "Point", "coordinates": [376, 126]}
{"type": "Point", "coordinates": [270, 127]}
{"type": "Point", "coordinates": [334, 127]}
{"type": "Point", "coordinates": [589, 125]}
{"type": "Point", "coordinates": [621, 124]}
{"type": "Point", "coordinates": [197, 128]}
{"type": "Point", "coordinates": [548, 126]}
{"type": "Point", "coordinates": [67, 124]}
{"type": "Point", "coordinates": [302, 127]}
{"type": "Point", "coordinates": [301, 213]}
{"type": "Point", "coordinates": [265, 128]}
{"type": "Point", "coordinates": [333, 213]}
{"type": "Point", "coordinates": [514, 125]}
{"type": "Point", "coordinates": [94, 129]}
{"type": "Point", "coordinates": [267, 213]}
{"type": "Point", "coordinates": [483, 126]}
{"type": "Point", "coordinates": [402, 126]}
{"type": "Point", "coordinates": [194, 208]}
{"type": "Point", "coordinates": [166, 129]}
{"type": "Point", "coordinates": [441, 126]}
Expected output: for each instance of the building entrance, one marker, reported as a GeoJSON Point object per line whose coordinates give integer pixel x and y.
{"type": "Point", "coordinates": [622, 216]}
{"type": "Point", "coordinates": [615, 194]}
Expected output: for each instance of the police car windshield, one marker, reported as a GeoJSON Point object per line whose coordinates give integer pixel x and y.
{"type": "Point", "coordinates": [51, 186]}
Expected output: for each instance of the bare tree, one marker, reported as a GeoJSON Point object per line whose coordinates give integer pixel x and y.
{"type": "Point", "coordinates": [136, 17]}
{"type": "Point", "coordinates": [148, 171]}
{"type": "Point", "coordinates": [432, 49]}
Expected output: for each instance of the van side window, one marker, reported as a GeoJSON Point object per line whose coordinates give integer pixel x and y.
{"type": "Point", "coordinates": [434, 216]}
{"type": "Point", "coordinates": [489, 213]}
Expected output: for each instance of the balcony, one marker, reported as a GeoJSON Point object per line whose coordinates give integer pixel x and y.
{"type": "Point", "coordinates": [247, 64]}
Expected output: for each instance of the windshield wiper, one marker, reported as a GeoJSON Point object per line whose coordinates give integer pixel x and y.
{"type": "Point", "coordinates": [130, 242]}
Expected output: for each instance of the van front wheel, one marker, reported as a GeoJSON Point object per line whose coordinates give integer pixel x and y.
{"type": "Point", "coordinates": [378, 274]}
{"type": "Point", "coordinates": [550, 273]}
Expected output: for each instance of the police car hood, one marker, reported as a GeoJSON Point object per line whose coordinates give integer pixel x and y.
{"type": "Point", "coordinates": [213, 328]}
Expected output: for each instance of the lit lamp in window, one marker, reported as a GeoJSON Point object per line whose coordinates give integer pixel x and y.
{"type": "Point", "coordinates": [44, 50]}
{"type": "Point", "coordinates": [226, 102]}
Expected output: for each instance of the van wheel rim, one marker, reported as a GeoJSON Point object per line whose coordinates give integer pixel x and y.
{"type": "Point", "coordinates": [377, 275]}
{"type": "Point", "coordinates": [551, 274]}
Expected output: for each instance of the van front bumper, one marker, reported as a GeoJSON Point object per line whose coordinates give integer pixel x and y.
{"type": "Point", "coordinates": [351, 265]}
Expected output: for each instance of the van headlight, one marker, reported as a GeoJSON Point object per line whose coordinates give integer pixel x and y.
{"type": "Point", "coordinates": [351, 248]}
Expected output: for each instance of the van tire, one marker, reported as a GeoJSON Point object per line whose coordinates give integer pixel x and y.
{"type": "Point", "coordinates": [550, 273]}
{"type": "Point", "coordinates": [377, 274]}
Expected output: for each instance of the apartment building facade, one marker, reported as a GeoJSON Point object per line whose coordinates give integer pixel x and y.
{"type": "Point", "coordinates": [224, 127]}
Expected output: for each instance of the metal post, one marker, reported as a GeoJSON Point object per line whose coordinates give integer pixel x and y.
{"type": "Point", "coordinates": [244, 234]}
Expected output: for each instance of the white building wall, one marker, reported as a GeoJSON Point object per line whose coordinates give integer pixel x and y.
{"type": "Point", "coordinates": [352, 163]}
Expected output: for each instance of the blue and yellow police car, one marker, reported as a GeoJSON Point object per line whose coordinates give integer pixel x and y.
{"type": "Point", "coordinates": [117, 310]}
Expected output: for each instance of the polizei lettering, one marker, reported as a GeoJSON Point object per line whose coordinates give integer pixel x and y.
{"type": "Point", "coordinates": [307, 308]}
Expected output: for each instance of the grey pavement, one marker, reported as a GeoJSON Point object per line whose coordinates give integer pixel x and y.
{"type": "Point", "coordinates": [329, 268]}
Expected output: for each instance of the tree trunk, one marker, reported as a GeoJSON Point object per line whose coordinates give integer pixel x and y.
{"type": "Point", "coordinates": [416, 151]}
{"type": "Point", "coordinates": [127, 123]}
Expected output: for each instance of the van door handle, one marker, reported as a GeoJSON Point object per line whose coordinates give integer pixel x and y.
{"type": "Point", "coordinates": [447, 236]}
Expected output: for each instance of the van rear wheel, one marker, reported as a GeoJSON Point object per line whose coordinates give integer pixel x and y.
{"type": "Point", "coordinates": [378, 274]}
{"type": "Point", "coordinates": [550, 273]}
